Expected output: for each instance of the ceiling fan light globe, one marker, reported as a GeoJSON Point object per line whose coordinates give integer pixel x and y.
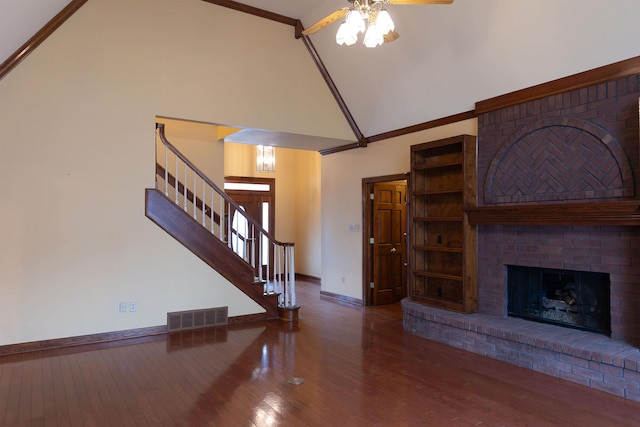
{"type": "Point", "coordinates": [355, 21]}
{"type": "Point", "coordinates": [346, 35]}
{"type": "Point", "coordinates": [373, 37]}
{"type": "Point", "coordinates": [351, 41]}
{"type": "Point", "coordinates": [384, 23]}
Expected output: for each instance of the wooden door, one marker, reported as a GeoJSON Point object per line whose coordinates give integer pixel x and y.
{"type": "Point", "coordinates": [389, 241]}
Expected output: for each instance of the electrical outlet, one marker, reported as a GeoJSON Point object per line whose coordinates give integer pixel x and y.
{"type": "Point", "coordinates": [123, 307]}
{"type": "Point", "coordinates": [133, 306]}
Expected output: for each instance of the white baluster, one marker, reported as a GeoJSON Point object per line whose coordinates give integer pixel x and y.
{"type": "Point", "coordinates": [259, 260]}
{"type": "Point", "coordinates": [213, 198]}
{"type": "Point", "coordinates": [222, 217]}
{"type": "Point", "coordinates": [195, 211]}
{"type": "Point", "coordinates": [184, 187]}
{"type": "Point", "coordinates": [286, 278]}
{"type": "Point", "coordinates": [252, 253]}
{"type": "Point", "coordinates": [204, 206]}
{"type": "Point", "coordinates": [279, 277]}
{"type": "Point", "coordinates": [292, 278]}
{"type": "Point", "coordinates": [268, 266]}
{"type": "Point", "coordinates": [247, 244]}
{"type": "Point", "coordinates": [166, 170]}
{"type": "Point", "coordinates": [176, 179]}
{"type": "Point", "coordinates": [229, 221]}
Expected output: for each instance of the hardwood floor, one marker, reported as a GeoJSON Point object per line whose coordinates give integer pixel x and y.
{"type": "Point", "coordinates": [358, 365]}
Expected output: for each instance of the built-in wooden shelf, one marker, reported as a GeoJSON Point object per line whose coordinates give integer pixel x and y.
{"type": "Point", "coordinates": [622, 212]}
{"type": "Point", "coordinates": [442, 244]}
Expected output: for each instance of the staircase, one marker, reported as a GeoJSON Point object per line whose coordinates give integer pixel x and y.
{"type": "Point", "coordinates": [201, 216]}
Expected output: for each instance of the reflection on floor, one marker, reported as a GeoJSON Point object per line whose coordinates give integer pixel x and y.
{"type": "Point", "coordinates": [358, 365]}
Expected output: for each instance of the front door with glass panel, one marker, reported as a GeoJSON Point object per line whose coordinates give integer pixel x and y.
{"type": "Point", "coordinates": [256, 197]}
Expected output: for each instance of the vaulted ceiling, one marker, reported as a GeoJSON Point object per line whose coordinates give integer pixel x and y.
{"type": "Point", "coordinates": [448, 57]}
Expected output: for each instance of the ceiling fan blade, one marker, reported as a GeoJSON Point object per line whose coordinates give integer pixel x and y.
{"type": "Point", "coordinates": [390, 36]}
{"type": "Point", "coordinates": [329, 19]}
{"type": "Point", "coordinates": [420, 1]}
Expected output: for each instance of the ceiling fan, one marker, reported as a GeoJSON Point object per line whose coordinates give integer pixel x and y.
{"type": "Point", "coordinates": [366, 15]}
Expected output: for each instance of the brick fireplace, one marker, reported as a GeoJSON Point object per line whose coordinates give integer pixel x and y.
{"type": "Point", "coordinates": [558, 185]}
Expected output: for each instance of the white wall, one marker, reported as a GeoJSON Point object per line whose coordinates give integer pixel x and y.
{"type": "Point", "coordinates": [342, 175]}
{"type": "Point", "coordinates": [77, 139]}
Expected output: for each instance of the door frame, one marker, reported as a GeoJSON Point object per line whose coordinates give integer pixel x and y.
{"type": "Point", "coordinates": [367, 230]}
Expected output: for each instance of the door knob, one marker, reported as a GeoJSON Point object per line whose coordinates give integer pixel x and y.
{"type": "Point", "coordinates": [393, 249]}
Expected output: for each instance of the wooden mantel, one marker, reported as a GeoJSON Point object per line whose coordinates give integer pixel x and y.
{"type": "Point", "coordinates": [626, 212]}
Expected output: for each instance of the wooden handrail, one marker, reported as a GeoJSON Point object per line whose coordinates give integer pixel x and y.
{"type": "Point", "coordinates": [222, 193]}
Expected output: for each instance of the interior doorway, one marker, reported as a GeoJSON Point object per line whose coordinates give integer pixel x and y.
{"type": "Point", "coordinates": [384, 239]}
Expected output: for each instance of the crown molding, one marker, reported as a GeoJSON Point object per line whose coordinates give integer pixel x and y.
{"type": "Point", "coordinates": [555, 87]}
{"type": "Point", "coordinates": [255, 11]}
{"type": "Point", "coordinates": [423, 126]}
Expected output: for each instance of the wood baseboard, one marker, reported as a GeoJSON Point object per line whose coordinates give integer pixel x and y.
{"type": "Point", "coordinates": [247, 318]}
{"type": "Point", "coordinates": [342, 298]}
{"type": "Point", "coordinates": [58, 343]}
{"type": "Point", "coordinates": [108, 337]}
{"type": "Point", "coordinates": [309, 279]}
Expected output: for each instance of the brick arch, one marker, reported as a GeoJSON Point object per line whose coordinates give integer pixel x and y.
{"type": "Point", "coordinates": [558, 159]}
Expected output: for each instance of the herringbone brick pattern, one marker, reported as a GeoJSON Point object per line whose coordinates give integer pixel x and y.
{"type": "Point", "coordinates": [521, 148]}
{"type": "Point", "coordinates": [555, 163]}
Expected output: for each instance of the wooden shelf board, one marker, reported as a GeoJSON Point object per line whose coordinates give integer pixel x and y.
{"type": "Point", "coordinates": [437, 165]}
{"type": "Point", "coordinates": [438, 275]}
{"type": "Point", "coordinates": [436, 192]}
{"type": "Point", "coordinates": [437, 248]}
{"type": "Point", "coordinates": [438, 219]}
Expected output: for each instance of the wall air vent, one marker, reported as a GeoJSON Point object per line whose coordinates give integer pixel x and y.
{"type": "Point", "coordinates": [196, 319]}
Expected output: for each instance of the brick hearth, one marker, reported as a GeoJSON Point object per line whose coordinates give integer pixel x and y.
{"type": "Point", "coordinates": [577, 147]}
{"type": "Point", "coordinates": [581, 357]}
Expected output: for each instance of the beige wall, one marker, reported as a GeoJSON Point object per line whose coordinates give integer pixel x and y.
{"type": "Point", "coordinates": [342, 175]}
{"type": "Point", "coordinates": [298, 201]}
{"type": "Point", "coordinates": [77, 140]}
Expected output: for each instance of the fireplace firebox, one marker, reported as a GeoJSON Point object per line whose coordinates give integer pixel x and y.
{"type": "Point", "coordinates": [574, 299]}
